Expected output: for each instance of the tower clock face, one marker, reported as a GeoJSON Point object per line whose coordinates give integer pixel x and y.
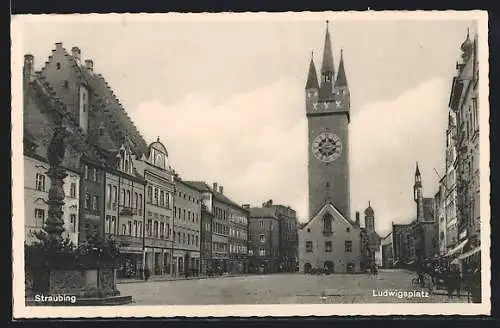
{"type": "Point", "coordinates": [327, 147]}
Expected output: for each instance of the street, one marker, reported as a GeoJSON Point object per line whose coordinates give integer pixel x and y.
{"type": "Point", "coordinates": [284, 289]}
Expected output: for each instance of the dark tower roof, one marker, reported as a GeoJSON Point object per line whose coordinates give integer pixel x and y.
{"type": "Point", "coordinates": [417, 171]}
{"type": "Point", "coordinates": [312, 77]}
{"type": "Point", "coordinates": [327, 64]}
{"type": "Point", "coordinates": [341, 78]}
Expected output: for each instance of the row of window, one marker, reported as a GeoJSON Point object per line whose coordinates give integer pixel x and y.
{"type": "Point", "coordinates": [40, 185]}
{"type": "Point", "coordinates": [239, 220]}
{"type": "Point", "coordinates": [238, 249]}
{"type": "Point", "coordinates": [91, 202]}
{"type": "Point", "coordinates": [126, 199]}
{"type": "Point", "coordinates": [220, 213]}
{"type": "Point", "coordinates": [237, 233]}
{"type": "Point", "coordinates": [262, 252]}
{"type": "Point", "coordinates": [220, 228]}
{"type": "Point", "coordinates": [188, 197]}
{"type": "Point", "coordinates": [158, 197]}
{"type": "Point", "coordinates": [92, 174]}
{"type": "Point", "coordinates": [219, 247]}
{"type": "Point", "coordinates": [181, 214]}
{"type": "Point", "coordinates": [329, 247]}
{"type": "Point", "coordinates": [40, 220]}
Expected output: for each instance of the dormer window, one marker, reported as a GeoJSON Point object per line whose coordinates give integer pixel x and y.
{"type": "Point", "coordinates": [126, 166]}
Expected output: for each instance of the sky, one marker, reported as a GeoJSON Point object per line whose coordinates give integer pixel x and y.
{"type": "Point", "coordinates": [227, 98]}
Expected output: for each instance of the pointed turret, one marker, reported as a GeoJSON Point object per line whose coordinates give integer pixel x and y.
{"type": "Point", "coordinates": [312, 77]}
{"type": "Point", "coordinates": [417, 171]}
{"type": "Point", "coordinates": [341, 80]}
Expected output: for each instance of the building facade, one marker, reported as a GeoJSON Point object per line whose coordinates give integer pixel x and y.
{"type": "Point", "coordinates": [206, 234]}
{"type": "Point", "coordinates": [289, 237]}
{"type": "Point", "coordinates": [403, 244]}
{"type": "Point", "coordinates": [263, 240]}
{"type": "Point", "coordinates": [450, 185]}
{"type": "Point", "coordinates": [153, 167]}
{"type": "Point", "coordinates": [92, 105]}
{"type": "Point", "coordinates": [42, 112]}
{"type": "Point", "coordinates": [330, 240]}
{"type": "Point", "coordinates": [238, 240]}
{"type": "Point", "coordinates": [440, 215]}
{"type": "Point", "coordinates": [187, 225]}
{"type": "Point", "coordinates": [387, 251]}
{"type": "Point", "coordinates": [464, 103]}
{"type": "Point", "coordinates": [36, 187]}
{"type": "Point", "coordinates": [124, 210]}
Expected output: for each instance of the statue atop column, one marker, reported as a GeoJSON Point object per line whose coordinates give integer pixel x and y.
{"type": "Point", "coordinates": [55, 154]}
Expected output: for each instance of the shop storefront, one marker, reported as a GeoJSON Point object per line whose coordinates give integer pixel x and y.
{"type": "Point", "coordinates": [130, 264]}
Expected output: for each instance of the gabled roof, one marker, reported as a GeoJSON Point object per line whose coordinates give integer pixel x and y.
{"type": "Point", "coordinates": [203, 187]}
{"type": "Point", "coordinates": [331, 208]}
{"type": "Point", "coordinates": [57, 110]}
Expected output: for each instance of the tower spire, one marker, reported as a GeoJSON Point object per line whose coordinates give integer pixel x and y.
{"type": "Point", "coordinates": [417, 171]}
{"type": "Point", "coordinates": [312, 77]}
{"type": "Point", "coordinates": [327, 64]}
{"type": "Point", "coordinates": [341, 78]}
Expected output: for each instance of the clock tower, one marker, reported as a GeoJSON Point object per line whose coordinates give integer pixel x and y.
{"type": "Point", "coordinates": [327, 111]}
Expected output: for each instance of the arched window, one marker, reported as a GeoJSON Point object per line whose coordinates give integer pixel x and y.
{"type": "Point", "coordinates": [126, 165]}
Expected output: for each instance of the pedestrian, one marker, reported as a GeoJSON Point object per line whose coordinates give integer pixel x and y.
{"type": "Point", "coordinates": [146, 274]}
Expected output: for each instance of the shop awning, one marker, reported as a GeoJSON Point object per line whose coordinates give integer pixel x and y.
{"type": "Point", "coordinates": [457, 249]}
{"type": "Point", "coordinates": [469, 253]}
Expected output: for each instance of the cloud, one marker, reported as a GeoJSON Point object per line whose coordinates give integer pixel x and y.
{"type": "Point", "coordinates": [255, 145]}
{"type": "Point", "coordinates": [387, 138]}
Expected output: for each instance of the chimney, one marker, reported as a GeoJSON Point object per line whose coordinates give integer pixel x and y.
{"type": "Point", "coordinates": [89, 64]}
{"type": "Point", "coordinates": [221, 189]}
{"type": "Point", "coordinates": [357, 219]}
{"type": "Point", "coordinates": [246, 206]}
{"type": "Point", "coordinates": [29, 67]}
{"type": "Point", "coordinates": [58, 45]}
{"type": "Point", "coordinates": [214, 186]}
{"type": "Point", "coordinates": [75, 51]}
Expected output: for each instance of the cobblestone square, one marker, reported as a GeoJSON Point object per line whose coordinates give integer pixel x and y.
{"type": "Point", "coordinates": [280, 289]}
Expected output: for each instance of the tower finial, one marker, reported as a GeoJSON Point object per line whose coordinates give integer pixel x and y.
{"type": "Point", "coordinates": [369, 204]}
{"type": "Point", "coordinates": [467, 32]}
{"type": "Point", "coordinates": [158, 139]}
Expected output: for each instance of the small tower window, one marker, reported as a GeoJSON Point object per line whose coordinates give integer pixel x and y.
{"type": "Point", "coordinates": [58, 65]}
{"type": "Point", "coordinates": [66, 84]}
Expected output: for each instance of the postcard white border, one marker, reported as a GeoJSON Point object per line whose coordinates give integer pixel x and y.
{"type": "Point", "coordinates": [20, 310]}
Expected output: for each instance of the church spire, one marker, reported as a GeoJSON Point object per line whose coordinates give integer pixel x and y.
{"type": "Point", "coordinates": [341, 78]}
{"type": "Point", "coordinates": [327, 66]}
{"type": "Point", "coordinates": [312, 77]}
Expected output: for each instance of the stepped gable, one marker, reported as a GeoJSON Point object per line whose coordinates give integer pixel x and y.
{"type": "Point", "coordinates": [115, 118]}
{"type": "Point", "coordinates": [119, 116]}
